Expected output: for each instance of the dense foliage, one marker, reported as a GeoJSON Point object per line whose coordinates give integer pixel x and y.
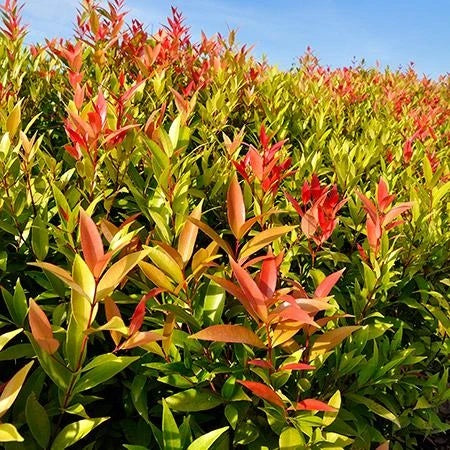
{"type": "Point", "coordinates": [199, 250]}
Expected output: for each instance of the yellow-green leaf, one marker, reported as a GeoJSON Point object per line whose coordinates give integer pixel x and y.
{"type": "Point", "coordinates": [117, 272]}
{"type": "Point", "coordinates": [12, 123]}
{"type": "Point", "coordinates": [330, 339]}
{"type": "Point", "coordinates": [263, 239]}
{"type": "Point", "coordinates": [75, 431]}
{"type": "Point", "coordinates": [9, 433]}
{"type": "Point", "coordinates": [6, 337]}
{"type": "Point", "coordinates": [12, 388]}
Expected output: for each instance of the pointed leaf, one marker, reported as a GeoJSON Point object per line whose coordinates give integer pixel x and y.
{"type": "Point", "coordinates": [117, 272]}
{"type": "Point", "coordinates": [9, 433]}
{"type": "Point", "coordinates": [188, 235]}
{"type": "Point", "coordinates": [297, 366]}
{"type": "Point", "coordinates": [206, 441]}
{"type": "Point", "coordinates": [250, 289]}
{"type": "Point", "coordinates": [235, 207]}
{"type": "Point", "coordinates": [263, 239]}
{"type": "Point", "coordinates": [229, 333]}
{"type": "Point", "coordinates": [141, 338]}
{"type": "Point", "coordinates": [212, 234]}
{"type": "Point", "coordinates": [12, 388]}
{"type": "Point", "coordinates": [41, 329]}
{"type": "Point", "coordinates": [75, 431]}
{"type": "Point", "coordinates": [91, 241]}
{"type": "Point", "coordinates": [6, 337]}
{"type": "Point", "coordinates": [330, 339]}
{"type": "Point", "coordinates": [311, 404]}
{"type": "Point", "coordinates": [327, 284]}
{"type": "Point", "coordinates": [263, 391]}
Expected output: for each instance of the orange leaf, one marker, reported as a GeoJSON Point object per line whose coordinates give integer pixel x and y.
{"type": "Point", "coordinates": [212, 234]}
{"type": "Point", "coordinates": [112, 310]}
{"type": "Point", "coordinates": [229, 333]}
{"type": "Point", "coordinates": [297, 366]}
{"type": "Point", "coordinates": [235, 207]}
{"type": "Point", "coordinates": [62, 274]}
{"type": "Point", "coordinates": [236, 292]}
{"type": "Point", "coordinates": [327, 284]}
{"type": "Point", "coordinates": [117, 272]}
{"type": "Point", "coordinates": [311, 404]}
{"type": "Point", "coordinates": [250, 290]}
{"type": "Point", "coordinates": [91, 241]}
{"type": "Point", "coordinates": [263, 391]}
{"type": "Point", "coordinates": [268, 276]}
{"type": "Point", "coordinates": [188, 235]}
{"type": "Point", "coordinates": [262, 239]}
{"type": "Point", "coordinates": [141, 338]}
{"type": "Point", "coordinates": [330, 339]}
{"type": "Point", "coordinates": [41, 329]}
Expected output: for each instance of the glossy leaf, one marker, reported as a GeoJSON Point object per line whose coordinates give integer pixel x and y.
{"type": "Point", "coordinates": [235, 207]}
{"type": "Point", "coordinates": [229, 333]}
{"type": "Point", "coordinates": [311, 404]}
{"type": "Point", "coordinates": [330, 339]}
{"type": "Point", "coordinates": [207, 440]}
{"type": "Point", "coordinates": [75, 431]}
{"type": "Point", "coordinates": [12, 388]}
{"type": "Point", "coordinates": [41, 329]}
{"type": "Point", "coordinates": [117, 272]}
{"type": "Point", "coordinates": [193, 400]}
{"type": "Point", "coordinates": [263, 391]}
{"type": "Point", "coordinates": [188, 235]}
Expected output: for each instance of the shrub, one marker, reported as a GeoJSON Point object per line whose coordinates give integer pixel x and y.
{"type": "Point", "coordinates": [202, 251]}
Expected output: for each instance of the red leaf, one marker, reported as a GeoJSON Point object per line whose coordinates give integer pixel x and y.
{"type": "Point", "coordinates": [263, 391]}
{"type": "Point", "coordinates": [311, 404]}
{"type": "Point", "coordinates": [370, 208]}
{"type": "Point", "coordinates": [396, 211]}
{"type": "Point", "coordinates": [250, 290]}
{"type": "Point", "coordinates": [91, 242]}
{"type": "Point", "coordinates": [268, 276]}
{"type": "Point", "coordinates": [137, 319]}
{"type": "Point", "coordinates": [295, 203]}
{"type": "Point", "coordinates": [261, 363]}
{"type": "Point", "coordinates": [383, 197]}
{"type": "Point", "coordinates": [327, 284]}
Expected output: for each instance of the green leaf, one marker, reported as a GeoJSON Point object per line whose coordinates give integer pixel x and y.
{"type": "Point", "coordinates": [205, 441]}
{"type": "Point", "coordinates": [170, 431]}
{"type": "Point", "coordinates": [20, 305]}
{"type": "Point", "coordinates": [139, 396]}
{"type": "Point", "coordinates": [37, 420]}
{"type": "Point", "coordinates": [213, 304]}
{"type": "Point", "coordinates": [110, 365]}
{"type": "Point", "coordinates": [39, 238]}
{"type": "Point", "coordinates": [375, 407]}
{"type": "Point", "coordinates": [75, 431]}
{"type": "Point", "coordinates": [193, 400]}
{"type": "Point", "coordinates": [57, 371]}
{"type": "Point", "coordinates": [9, 433]}
{"type": "Point", "coordinates": [330, 416]}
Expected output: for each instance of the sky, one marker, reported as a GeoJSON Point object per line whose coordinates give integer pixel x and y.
{"type": "Point", "coordinates": [389, 32]}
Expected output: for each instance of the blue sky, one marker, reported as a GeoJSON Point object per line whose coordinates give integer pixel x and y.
{"type": "Point", "coordinates": [393, 32]}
